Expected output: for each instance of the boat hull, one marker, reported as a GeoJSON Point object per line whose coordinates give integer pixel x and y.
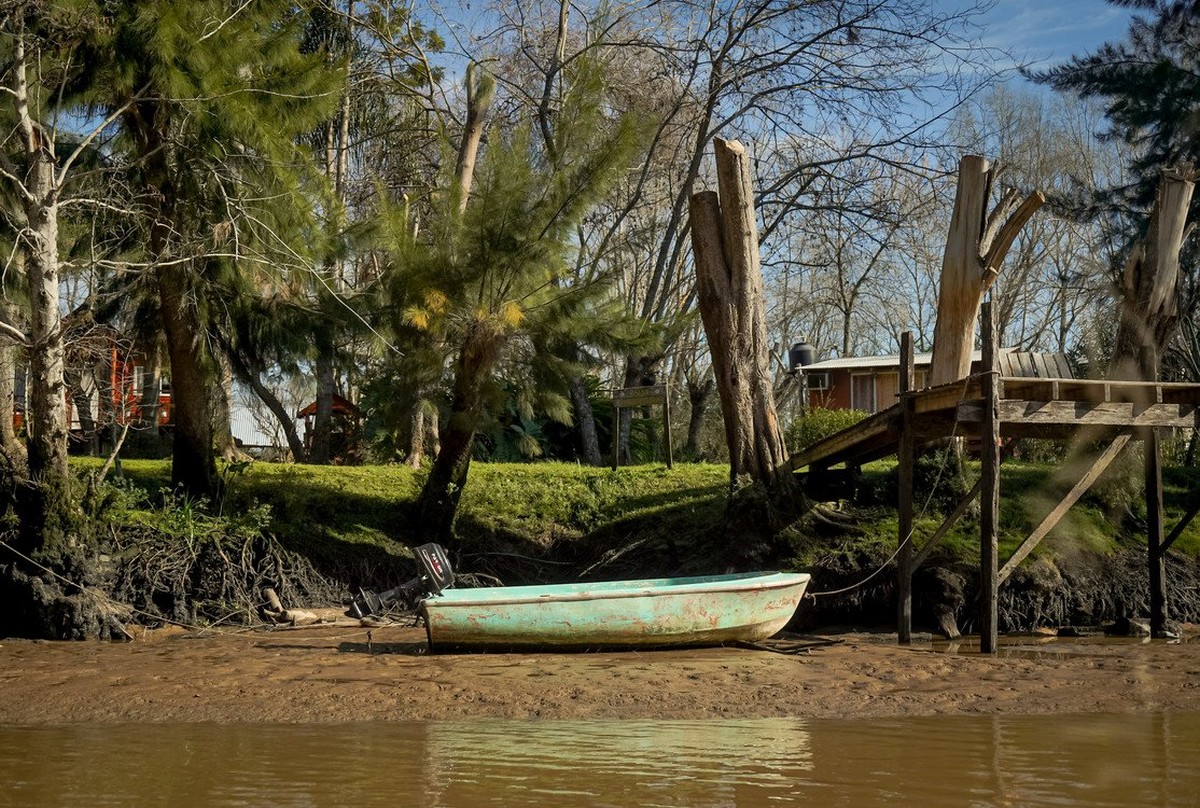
{"type": "Point", "coordinates": [704, 610]}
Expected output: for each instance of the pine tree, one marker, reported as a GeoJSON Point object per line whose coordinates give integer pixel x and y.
{"type": "Point", "coordinates": [1149, 85]}
{"type": "Point", "coordinates": [212, 97]}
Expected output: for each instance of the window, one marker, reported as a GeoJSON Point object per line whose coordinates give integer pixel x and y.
{"type": "Point", "coordinates": [817, 380]}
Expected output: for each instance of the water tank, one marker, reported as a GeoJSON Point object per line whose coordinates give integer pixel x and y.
{"type": "Point", "coordinates": [800, 355]}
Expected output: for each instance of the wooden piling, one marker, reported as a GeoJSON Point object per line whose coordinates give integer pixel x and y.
{"type": "Point", "coordinates": [1156, 555]}
{"type": "Point", "coordinates": [907, 458]}
{"type": "Point", "coordinates": [989, 517]}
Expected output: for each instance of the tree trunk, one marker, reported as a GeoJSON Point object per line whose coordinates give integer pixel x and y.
{"type": "Point", "coordinates": [12, 450]}
{"type": "Point", "coordinates": [585, 423]}
{"type": "Point", "coordinates": [1149, 316]}
{"type": "Point", "coordinates": [193, 466]}
{"type": "Point", "coordinates": [975, 249]}
{"type": "Point", "coordinates": [730, 294]}
{"type": "Point", "coordinates": [480, 91]}
{"type": "Point", "coordinates": [222, 410]}
{"type": "Point", "coordinates": [287, 423]}
{"type": "Point", "coordinates": [320, 450]}
{"type": "Point", "coordinates": [46, 520]}
{"type": "Point", "coordinates": [438, 504]}
{"type": "Point", "coordinates": [699, 395]}
{"type": "Point", "coordinates": [416, 436]}
{"type": "Point", "coordinates": [424, 437]}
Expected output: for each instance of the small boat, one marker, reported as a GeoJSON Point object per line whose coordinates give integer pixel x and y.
{"type": "Point", "coordinates": [703, 610]}
{"type": "Point", "coordinates": [699, 610]}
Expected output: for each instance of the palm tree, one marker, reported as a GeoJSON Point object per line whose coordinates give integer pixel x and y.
{"type": "Point", "coordinates": [489, 279]}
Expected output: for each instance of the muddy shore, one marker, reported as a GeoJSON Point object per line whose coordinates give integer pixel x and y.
{"type": "Point", "coordinates": [342, 674]}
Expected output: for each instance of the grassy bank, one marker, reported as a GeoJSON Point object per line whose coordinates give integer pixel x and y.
{"type": "Point", "coordinates": [567, 512]}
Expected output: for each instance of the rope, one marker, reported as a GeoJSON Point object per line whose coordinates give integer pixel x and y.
{"type": "Point", "coordinates": [924, 508]}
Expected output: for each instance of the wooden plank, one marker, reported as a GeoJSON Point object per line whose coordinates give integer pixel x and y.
{"type": "Point", "coordinates": [1006, 364]}
{"type": "Point", "coordinates": [1081, 413]}
{"type": "Point", "coordinates": [947, 396]}
{"type": "Point", "coordinates": [1046, 368]}
{"type": "Point", "coordinates": [989, 517]}
{"type": "Point", "coordinates": [1064, 366]}
{"type": "Point", "coordinates": [1182, 524]}
{"type": "Point", "coordinates": [640, 396]}
{"type": "Point", "coordinates": [1078, 490]}
{"type": "Point", "coordinates": [1029, 389]}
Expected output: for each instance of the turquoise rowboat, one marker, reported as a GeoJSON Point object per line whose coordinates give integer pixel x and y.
{"type": "Point", "coordinates": [704, 610]}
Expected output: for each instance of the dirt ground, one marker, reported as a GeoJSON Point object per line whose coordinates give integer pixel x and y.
{"type": "Point", "coordinates": [326, 674]}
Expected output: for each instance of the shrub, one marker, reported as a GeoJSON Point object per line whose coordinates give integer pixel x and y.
{"type": "Point", "coordinates": [818, 424]}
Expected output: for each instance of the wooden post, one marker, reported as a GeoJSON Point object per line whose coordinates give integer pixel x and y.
{"type": "Point", "coordinates": [667, 426]}
{"type": "Point", "coordinates": [616, 433]}
{"type": "Point", "coordinates": [1154, 536]}
{"type": "Point", "coordinates": [907, 458]}
{"type": "Point", "coordinates": [989, 517]}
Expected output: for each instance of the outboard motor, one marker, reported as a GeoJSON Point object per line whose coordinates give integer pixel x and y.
{"type": "Point", "coordinates": [436, 575]}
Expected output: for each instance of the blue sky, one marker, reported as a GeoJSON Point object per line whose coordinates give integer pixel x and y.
{"type": "Point", "coordinates": [1046, 32]}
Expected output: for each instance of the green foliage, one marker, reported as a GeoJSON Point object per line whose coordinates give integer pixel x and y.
{"type": "Point", "coordinates": [819, 424]}
{"type": "Point", "coordinates": [1150, 85]}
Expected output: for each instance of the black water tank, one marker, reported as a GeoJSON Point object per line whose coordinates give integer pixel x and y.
{"type": "Point", "coordinates": [800, 355]}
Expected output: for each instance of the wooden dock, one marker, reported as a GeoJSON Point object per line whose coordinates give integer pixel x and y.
{"type": "Point", "coordinates": [994, 411]}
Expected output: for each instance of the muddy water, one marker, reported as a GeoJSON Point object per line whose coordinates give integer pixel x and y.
{"type": "Point", "coordinates": [1118, 760]}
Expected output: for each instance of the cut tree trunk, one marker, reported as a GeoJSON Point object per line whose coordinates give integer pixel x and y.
{"type": "Point", "coordinates": [975, 249]}
{"type": "Point", "coordinates": [1149, 315]}
{"type": "Point", "coordinates": [732, 307]}
{"type": "Point", "coordinates": [481, 88]}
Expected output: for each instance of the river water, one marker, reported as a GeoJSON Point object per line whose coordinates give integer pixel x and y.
{"type": "Point", "coordinates": [1075, 760]}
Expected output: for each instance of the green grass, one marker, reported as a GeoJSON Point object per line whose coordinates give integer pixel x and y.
{"type": "Point", "coordinates": [574, 512]}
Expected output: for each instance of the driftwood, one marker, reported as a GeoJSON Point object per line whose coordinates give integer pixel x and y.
{"type": "Point", "coordinates": [275, 612]}
{"type": "Point", "coordinates": [975, 249]}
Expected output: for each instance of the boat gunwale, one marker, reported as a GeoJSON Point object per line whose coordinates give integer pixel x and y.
{"type": "Point", "coordinates": [774, 580]}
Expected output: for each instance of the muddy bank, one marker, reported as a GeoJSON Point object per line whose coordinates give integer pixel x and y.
{"type": "Point", "coordinates": [335, 675]}
{"type": "Point", "coordinates": [1045, 592]}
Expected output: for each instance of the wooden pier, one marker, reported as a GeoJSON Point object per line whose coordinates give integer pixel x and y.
{"type": "Point", "coordinates": [996, 410]}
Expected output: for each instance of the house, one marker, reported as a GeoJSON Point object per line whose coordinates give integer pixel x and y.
{"type": "Point", "coordinates": [871, 383]}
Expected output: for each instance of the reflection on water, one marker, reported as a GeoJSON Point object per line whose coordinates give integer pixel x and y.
{"type": "Point", "coordinates": [1116, 760]}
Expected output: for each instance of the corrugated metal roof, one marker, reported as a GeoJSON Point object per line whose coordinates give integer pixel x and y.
{"type": "Point", "coordinates": [878, 362]}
